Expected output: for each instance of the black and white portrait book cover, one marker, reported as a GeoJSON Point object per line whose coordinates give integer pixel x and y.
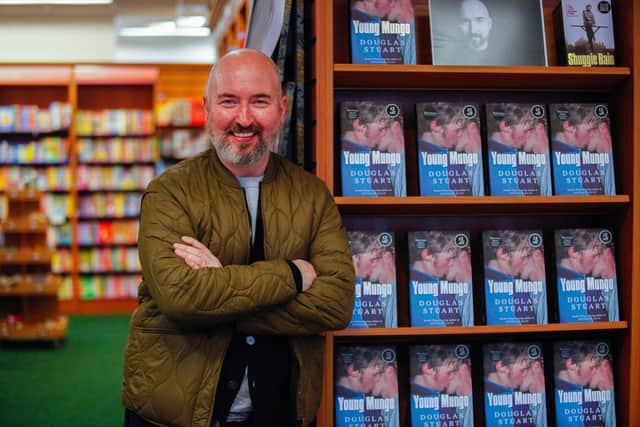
{"type": "Point", "coordinates": [487, 32]}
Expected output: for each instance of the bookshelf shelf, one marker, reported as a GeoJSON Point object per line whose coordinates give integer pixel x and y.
{"type": "Point", "coordinates": [27, 288]}
{"type": "Point", "coordinates": [54, 329]}
{"type": "Point", "coordinates": [365, 76]}
{"type": "Point", "coordinates": [25, 257]}
{"type": "Point", "coordinates": [466, 205]}
{"type": "Point", "coordinates": [476, 332]}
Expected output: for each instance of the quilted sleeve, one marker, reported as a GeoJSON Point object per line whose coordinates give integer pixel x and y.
{"type": "Point", "coordinates": [328, 304]}
{"type": "Point", "coordinates": [208, 295]}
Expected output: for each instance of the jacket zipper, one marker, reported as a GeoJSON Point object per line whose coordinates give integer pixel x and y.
{"type": "Point", "coordinates": [248, 216]}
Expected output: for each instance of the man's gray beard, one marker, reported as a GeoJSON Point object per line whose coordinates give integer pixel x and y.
{"type": "Point", "coordinates": [227, 154]}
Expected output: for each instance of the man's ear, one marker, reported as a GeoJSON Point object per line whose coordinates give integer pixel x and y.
{"type": "Point", "coordinates": [352, 371]}
{"type": "Point", "coordinates": [205, 105]}
{"type": "Point", "coordinates": [283, 112]}
{"type": "Point", "coordinates": [434, 126]}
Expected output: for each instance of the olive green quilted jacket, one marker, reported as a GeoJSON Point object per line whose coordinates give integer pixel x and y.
{"type": "Point", "coordinates": [180, 331]}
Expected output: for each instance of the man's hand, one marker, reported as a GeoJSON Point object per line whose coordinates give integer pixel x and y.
{"type": "Point", "coordinates": [307, 271]}
{"type": "Point", "coordinates": [195, 254]}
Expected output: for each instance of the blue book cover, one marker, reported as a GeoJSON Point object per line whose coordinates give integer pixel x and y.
{"type": "Point", "coordinates": [372, 150]}
{"type": "Point", "coordinates": [586, 275]}
{"type": "Point", "coordinates": [374, 262]}
{"type": "Point", "coordinates": [514, 389]}
{"type": "Point", "coordinates": [583, 384]}
{"type": "Point", "coordinates": [515, 285]}
{"type": "Point", "coordinates": [366, 386]}
{"type": "Point", "coordinates": [582, 151]}
{"type": "Point", "coordinates": [518, 150]}
{"type": "Point", "coordinates": [440, 279]}
{"type": "Point", "coordinates": [449, 149]}
{"type": "Point", "coordinates": [441, 389]}
{"type": "Point", "coordinates": [382, 32]}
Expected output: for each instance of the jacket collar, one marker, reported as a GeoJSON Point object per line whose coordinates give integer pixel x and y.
{"type": "Point", "coordinates": [227, 178]}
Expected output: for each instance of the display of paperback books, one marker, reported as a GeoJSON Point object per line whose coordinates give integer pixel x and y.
{"type": "Point", "coordinates": [366, 386]}
{"type": "Point", "coordinates": [514, 277]}
{"type": "Point", "coordinates": [449, 149]}
{"type": "Point", "coordinates": [518, 150]}
{"type": "Point", "coordinates": [583, 384]}
{"type": "Point", "coordinates": [582, 149]}
{"type": "Point", "coordinates": [441, 386]}
{"type": "Point", "coordinates": [584, 33]}
{"type": "Point", "coordinates": [375, 288]}
{"type": "Point", "coordinates": [440, 279]}
{"type": "Point", "coordinates": [372, 152]}
{"type": "Point", "coordinates": [488, 32]}
{"type": "Point", "coordinates": [382, 32]}
{"type": "Point", "coordinates": [514, 391]}
{"type": "Point", "coordinates": [586, 275]}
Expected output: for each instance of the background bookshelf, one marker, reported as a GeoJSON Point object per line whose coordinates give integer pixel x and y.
{"type": "Point", "coordinates": [93, 169]}
{"type": "Point", "coordinates": [337, 80]}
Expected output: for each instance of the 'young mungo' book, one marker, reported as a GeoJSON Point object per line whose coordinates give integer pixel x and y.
{"type": "Point", "coordinates": [382, 32]}
{"type": "Point", "coordinates": [582, 150]}
{"type": "Point", "coordinates": [583, 384]}
{"type": "Point", "coordinates": [374, 262]}
{"type": "Point", "coordinates": [487, 32]}
{"type": "Point", "coordinates": [515, 286]}
{"type": "Point", "coordinates": [441, 385]}
{"type": "Point", "coordinates": [586, 275]}
{"type": "Point", "coordinates": [440, 279]}
{"type": "Point", "coordinates": [518, 150]}
{"type": "Point", "coordinates": [366, 386]}
{"type": "Point", "coordinates": [584, 33]}
{"type": "Point", "coordinates": [514, 389]}
{"type": "Point", "coordinates": [372, 154]}
{"type": "Point", "coordinates": [449, 149]}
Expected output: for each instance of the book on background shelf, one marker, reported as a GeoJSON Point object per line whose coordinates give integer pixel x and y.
{"type": "Point", "coordinates": [265, 25]}
{"type": "Point", "coordinates": [584, 33]}
{"type": "Point", "coordinates": [382, 32]}
{"type": "Point", "coordinates": [514, 387]}
{"type": "Point", "coordinates": [582, 150]}
{"type": "Point", "coordinates": [515, 285]}
{"type": "Point", "coordinates": [584, 383]}
{"type": "Point", "coordinates": [375, 303]}
{"type": "Point", "coordinates": [372, 150]}
{"type": "Point", "coordinates": [366, 386]}
{"type": "Point", "coordinates": [487, 32]}
{"type": "Point", "coordinates": [441, 388]}
{"type": "Point", "coordinates": [440, 279]}
{"type": "Point", "coordinates": [449, 149]}
{"type": "Point", "coordinates": [586, 275]}
{"type": "Point", "coordinates": [518, 150]}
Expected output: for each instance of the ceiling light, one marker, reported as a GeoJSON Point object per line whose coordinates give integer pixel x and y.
{"type": "Point", "coordinates": [163, 30]}
{"type": "Point", "coordinates": [191, 21]}
{"type": "Point", "coordinates": [48, 2]}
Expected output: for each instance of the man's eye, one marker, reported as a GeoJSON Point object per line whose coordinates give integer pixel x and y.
{"type": "Point", "coordinates": [227, 102]}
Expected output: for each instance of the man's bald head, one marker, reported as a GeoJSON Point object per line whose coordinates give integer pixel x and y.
{"type": "Point", "coordinates": [253, 59]}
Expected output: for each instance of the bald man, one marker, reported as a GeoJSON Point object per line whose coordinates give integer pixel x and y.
{"type": "Point", "coordinates": [245, 262]}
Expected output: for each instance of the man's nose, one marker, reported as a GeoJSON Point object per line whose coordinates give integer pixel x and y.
{"type": "Point", "coordinates": [244, 117]}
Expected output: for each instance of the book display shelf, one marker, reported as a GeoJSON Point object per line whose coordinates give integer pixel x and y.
{"type": "Point", "coordinates": [337, 80]}
{"type": "Point", "coordinates": [29, 308]}
{"type": "Point", "coordinates": [91, 152]}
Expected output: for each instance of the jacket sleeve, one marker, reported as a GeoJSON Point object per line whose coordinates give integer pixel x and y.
{"type": "Point", "coordinates": [328, 303]}
{"type": "Point", "coordinates": [208, 295]}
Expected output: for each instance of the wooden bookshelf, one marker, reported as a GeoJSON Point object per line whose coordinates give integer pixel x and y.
{"type": "Point", "coordinates": [91, 87]}
{"type": "Point", "coordinates": [337, 80]}
{"type": "Point", "coordinates": [29, 307]}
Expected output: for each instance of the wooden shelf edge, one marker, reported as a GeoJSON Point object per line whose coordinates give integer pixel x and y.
{"type": "Point", "coordinates": [47, 288]}
{"type": "Point", "coordinates": [474, 205]}
{"type": "Point", "coordinates": [49, 330]}
{"type": "Point", "coordinates": [35, 75]}
{"type": "Point", "coordinates": [361, 76]}
{"type": "Point", "coordinates": [482, 330]}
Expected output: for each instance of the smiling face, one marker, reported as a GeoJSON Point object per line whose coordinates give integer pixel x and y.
{"type": "Point", "coordinates": [245, 109]}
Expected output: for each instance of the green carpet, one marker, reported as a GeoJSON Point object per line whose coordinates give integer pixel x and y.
{"type": "Point", "coordinates": [78, 384]}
